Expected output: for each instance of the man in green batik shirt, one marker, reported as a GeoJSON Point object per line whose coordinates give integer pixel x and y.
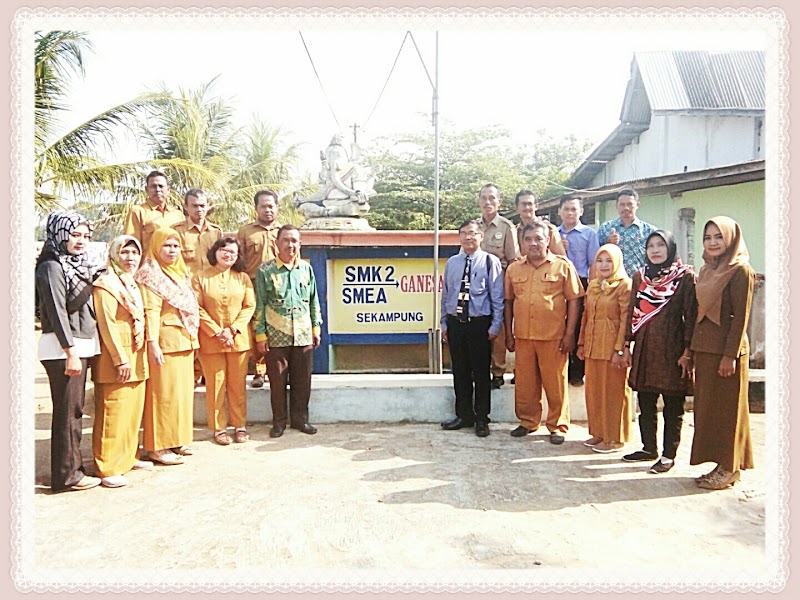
{"type": "Point", "coordinates": [287, 326]}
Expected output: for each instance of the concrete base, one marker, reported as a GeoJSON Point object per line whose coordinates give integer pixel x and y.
{"type": "Point", "coordinates": [417, 398]}
{"type": "Point", "coordinates": [384, 398]}
{"type": "Point", "coordinates": [337, 224]}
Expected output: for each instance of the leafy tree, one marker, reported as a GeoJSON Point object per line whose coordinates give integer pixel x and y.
{"type": "Point", "coordinates": [468, 158]}
{"type": "Point", "coordinates": [193, 139]}
{"type": "Point", "coordinates": [69, 167]}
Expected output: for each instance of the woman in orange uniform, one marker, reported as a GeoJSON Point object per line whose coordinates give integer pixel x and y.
{"type": "Point", "coordinates": [602, 346]}
{"type": "Point", "coordinates": [171, 322]}
{"type": "Point", "coordinates": [227, 302]}
{"type": "Point", "coordinates": [120, 371]}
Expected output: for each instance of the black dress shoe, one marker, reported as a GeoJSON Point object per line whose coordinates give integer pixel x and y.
{"type": "Point", "coordinates": [457, 423]}
{"type": "Point", "coordinates": [520, 431]}
{"type": "Point", "coordinates": [497, 382]}
{"type": "Point", "coordinates": [276, 431]}
{"type": "Point", "coordinates": [482, 429]}
{"type": "Point", "coordinates": [305, 428]}
{"type": "Point", "coordinates": [639, 456]}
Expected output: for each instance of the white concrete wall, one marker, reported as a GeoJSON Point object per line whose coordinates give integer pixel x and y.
{"type": "Point", "coordinates": [679, 143]}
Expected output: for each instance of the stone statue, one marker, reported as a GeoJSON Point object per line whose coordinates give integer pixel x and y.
{"type": "Point", "coordinates": [345, 185]}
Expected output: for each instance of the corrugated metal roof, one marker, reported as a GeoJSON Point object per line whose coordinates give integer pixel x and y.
{"type": "Point", "coordinates": [702, 80]}
{"type": "Point", "coordinates": [678, 81]}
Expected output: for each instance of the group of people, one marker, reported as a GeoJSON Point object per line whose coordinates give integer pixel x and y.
{"type": "Point", "coordinates": [179, 300]}
{"type": "Point", "coordinates": [175, 290]}
{"type": "Point", "coordinates": [617, 307]}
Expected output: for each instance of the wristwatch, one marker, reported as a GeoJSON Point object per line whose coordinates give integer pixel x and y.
{"type": "Point", "coordinates": [620, 353]}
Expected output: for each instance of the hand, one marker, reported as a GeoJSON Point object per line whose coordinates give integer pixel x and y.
{"type": "Point", "coordinates": [154, 354]}
{"type": "Point", "coordinates": [123, 372]}
{"type": "Point", "coordinates": [687, 366]}
{"type": "Point", "coordinates": [617, 361]}
{"type": "Point", "coordinates": [444, 335]}
{"type": "Point", "coordinates": [567, 344]}
{"type": "Point", "coordinates": [492, 336]}
{"type": "Point", "coordinates": [511, 343]}
{"type": "Point", "coordinates": [727, 366]}
{"type": "Point", "coordinates": [316, 340]}
{"type": "Point", "coordinates": [262, 348]}
{"type": "Point", "coordinates": [613, 237]}
{"type": "Point", "coordinates": [626, 358]}
{"type": "Point", "coordinates": [580, 353]}
{"type": "Point", "coordinates": [225, 338]}
{"type": "Point", "coordinates": [73, 366]}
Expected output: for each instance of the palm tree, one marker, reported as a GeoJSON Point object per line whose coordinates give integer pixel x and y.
{"type": "Point", "coordinates": [192, 138]}
{"type": "Point", "coordinates": [69, 166]}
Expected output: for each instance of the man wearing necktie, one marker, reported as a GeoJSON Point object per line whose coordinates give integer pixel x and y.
{"type": "Point", "coordinates": [472, 316]}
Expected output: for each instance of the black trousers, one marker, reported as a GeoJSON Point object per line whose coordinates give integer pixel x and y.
{"type": "Point", "coordinates": [576, 367]}
{"type": "Point", "coordinates": [470, 355]}
{"type": "Point", "coordinates": [67, 393]}
{"type": "Point", "coordinates": [290, 364]}
{"type": "Point", "coordinates": [673, 421]}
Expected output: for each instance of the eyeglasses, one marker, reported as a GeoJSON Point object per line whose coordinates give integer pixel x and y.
{"type": "Point", "coordinates": [228, 252]}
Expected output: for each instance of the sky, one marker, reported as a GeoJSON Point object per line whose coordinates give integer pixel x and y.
{"type": "Point", "coordinates": [525, 74]}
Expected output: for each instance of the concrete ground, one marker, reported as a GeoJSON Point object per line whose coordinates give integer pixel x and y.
{"type": "Point", "coordinates": [382, 505]}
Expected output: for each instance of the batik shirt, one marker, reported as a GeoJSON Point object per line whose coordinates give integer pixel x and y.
{"type": "Point", "coordinates": [631, 241]}
{"type": "Point", "coordinates": [287, 306]}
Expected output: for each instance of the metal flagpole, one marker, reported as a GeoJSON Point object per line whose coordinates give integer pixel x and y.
{"type": "Point", "coordinates": [436, 341]}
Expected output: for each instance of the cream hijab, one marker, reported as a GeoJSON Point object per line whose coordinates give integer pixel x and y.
{"type": "Point", "coordinates": [598, 284]}
{"type": "Point", "coordinates": [120, 284]}
{"type": "Point", "coordinates": [717, 272]}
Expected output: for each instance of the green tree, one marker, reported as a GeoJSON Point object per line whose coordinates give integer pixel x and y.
{"type": "Point", "coordinates": [193, 139]}
{"type": "Point", "coordinates": [68, 167]}
{"type": "Point", "coordinates": [468, 158]}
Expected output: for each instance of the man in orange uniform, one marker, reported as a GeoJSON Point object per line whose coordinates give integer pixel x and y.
{"type": "Point", "coordinates": [259, 244]}
{"type": "Point", "coordinates": [541, 313]}
{"type": "Point", "coordinates": [499, 239]}
{"type": "Point", "coordinates": [197, 235]}
{"type": "Point", "coordinates": [144, 219]}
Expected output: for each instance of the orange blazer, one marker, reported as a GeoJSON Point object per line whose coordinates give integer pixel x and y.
{"type": "Point", "coordinates": [115, 326]}
{"type": "Point", "coordinates": [162, 323]}
{"type": "Point", "coordinates": [226, 300]}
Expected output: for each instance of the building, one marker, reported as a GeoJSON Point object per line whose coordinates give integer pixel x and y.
{"type": "Point", "coordinates": [691, 143]}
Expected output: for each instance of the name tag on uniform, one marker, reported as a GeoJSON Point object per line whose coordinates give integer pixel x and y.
{"type": "Point", "coordinates": [498, 236]}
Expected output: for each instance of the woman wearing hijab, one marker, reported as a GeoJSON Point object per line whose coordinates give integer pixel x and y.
{"type": "Point", "coordinates": [721, 356]}
{"type": "Point", "coordinates": [120, 371]}
{"type": "Point", "coordinates": [601, 345]}
{"type": "Point", "coordinates": [661, 318]}
{"type": "Point", "coordinates": [171, 322]}
{"type": "Point", "coordinates": [227, 302]}
{"type": "Point", "coordinates": [69, 339]}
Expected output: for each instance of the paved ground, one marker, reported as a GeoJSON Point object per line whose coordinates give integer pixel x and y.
{"type": "Point", "coordinates": [378, 502]}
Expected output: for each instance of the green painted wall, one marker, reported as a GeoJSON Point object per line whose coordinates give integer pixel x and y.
{"type": "Point", "coordinates": [743, 202]}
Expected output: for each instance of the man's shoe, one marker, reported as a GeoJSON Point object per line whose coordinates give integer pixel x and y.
{"type": "Point", "coordinates": [87, 482]}
{"type": "Point", "coordinates": [258, 381]}
{"type": "Point", "coordinates": [457, 423]}
{"type": "Point", "coordinates": [639, 456]}
{"type": "Point", "coordinates": [481, 429]}
{"type": "Point", "coordinates": [306, 428]}
{"type": "Point", "coordinates": [576, 382]}
{"type": "Point", "coordinates": [521, 431]}
{"type": "Point", "coordinates": [497, 382]}
{"type": "Point", "coordinates": [277, 431]}
{"type": "Point", "coordinates": [556, 437]}
{"type": "Point", "coordinates": [661, 467]}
